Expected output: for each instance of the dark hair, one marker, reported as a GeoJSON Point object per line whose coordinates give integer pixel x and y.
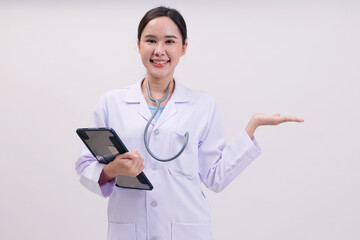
{"type": "Point", "coordinates": [173, 14]}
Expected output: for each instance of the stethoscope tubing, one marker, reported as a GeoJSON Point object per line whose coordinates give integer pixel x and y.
{"type": "Point", "coordinates": [158, 102]}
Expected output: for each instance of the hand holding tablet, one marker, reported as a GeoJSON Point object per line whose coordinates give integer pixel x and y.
{"type": "Point", "coordinates": [105, 145]}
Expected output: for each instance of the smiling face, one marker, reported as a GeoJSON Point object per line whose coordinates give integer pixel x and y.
{"type": "Point", "coordinates": [160, 48]}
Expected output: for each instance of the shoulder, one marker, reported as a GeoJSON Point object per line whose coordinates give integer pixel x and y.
{"type": "Point", "coordinates": [119, 94]}
{"type": "Point", "coordinates": [116, 92]}
{"type": "Point", "coordinates": [197, 96]}
{"type": "Point", "coordinates": [201, 96]}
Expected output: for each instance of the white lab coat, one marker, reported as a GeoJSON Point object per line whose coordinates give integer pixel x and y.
{"type": "Point", "coordinates": [176, 209]}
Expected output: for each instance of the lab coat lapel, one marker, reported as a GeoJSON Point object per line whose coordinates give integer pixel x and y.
{"type": "Point", "coordinates": [135, 96]}
{"type": "Point", "coordinates": [144, 111]}
{"type": "Point", "coordinates": [180, 95]}
{"type": "Point", "coordinates": [169, 111]}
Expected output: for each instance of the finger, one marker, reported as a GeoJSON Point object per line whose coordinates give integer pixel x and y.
{"type": "Point", "coordinates": [296, 119]}
{"type": "Point", "coordinates": [140, 164]}
{"type": "Point", "coordinates": [133, 167]}
{"type": "Point", "coordinates": [276, 114]}
{"type": "Point", "coordinates": [141, 168]}
{"type": "Point", "coordinates": [134, 154]}
{"type": "Point", "coordinates": [127, 155]}
{"type": "Point", "coordinates": [292, 119]}
{"type": "Point", "coordinates": [122, 166]}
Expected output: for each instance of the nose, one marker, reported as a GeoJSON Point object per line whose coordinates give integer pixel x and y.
{"type": "Point", "coordinates": [159, 50]}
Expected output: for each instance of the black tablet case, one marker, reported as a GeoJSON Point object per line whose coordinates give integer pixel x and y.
{"type": "Point", "coordinates": [105, 144]}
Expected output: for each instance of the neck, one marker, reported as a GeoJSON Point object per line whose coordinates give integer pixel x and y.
{"type": "Point", "coordinates": [158, 89]}
{"type": "Point", "coordinates": [158, 86]}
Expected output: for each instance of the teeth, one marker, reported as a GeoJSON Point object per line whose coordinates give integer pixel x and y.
{"type": "Point", "coordinates": [157, 62]}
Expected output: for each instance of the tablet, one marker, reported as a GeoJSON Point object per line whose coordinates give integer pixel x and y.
{"type": "Point", "coordinates": [104, 144]}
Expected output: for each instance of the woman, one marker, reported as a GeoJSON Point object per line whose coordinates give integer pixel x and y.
{"type": "Point", "coordinates": [176, 208]}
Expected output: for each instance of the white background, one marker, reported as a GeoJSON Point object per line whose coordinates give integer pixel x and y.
{"type": "Point", "coordinates": [298, 58]}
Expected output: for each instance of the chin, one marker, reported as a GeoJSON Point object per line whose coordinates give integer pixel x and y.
{"type": "Point", "coordinates": [159, 75]}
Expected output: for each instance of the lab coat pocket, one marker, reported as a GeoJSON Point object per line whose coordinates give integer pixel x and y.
{"type": "Point", "coordinates": [121, 231]}
{"type": "Point", "coordinates": [186, 164]}
{"type": "Point", "coordinates": [198, 231]}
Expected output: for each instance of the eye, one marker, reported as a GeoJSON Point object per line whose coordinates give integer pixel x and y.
{"type": "Point", "coordinates": [170, 41]}
{"type": "Point", "coordinates": [150, 41]}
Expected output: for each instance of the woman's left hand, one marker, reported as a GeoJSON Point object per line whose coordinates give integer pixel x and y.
{"type": "Point", "coordinates": [261, 119]}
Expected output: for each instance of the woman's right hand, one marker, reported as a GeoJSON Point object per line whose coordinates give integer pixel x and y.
{"type": "Point", "coordinates": [128, 164]}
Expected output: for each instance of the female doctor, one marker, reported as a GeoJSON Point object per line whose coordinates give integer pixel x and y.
{"type": "Point", "coordinates": [176, 208]}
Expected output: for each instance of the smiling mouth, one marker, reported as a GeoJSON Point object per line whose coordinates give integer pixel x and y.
{"type": "Point", "coordinates": [159, 62]}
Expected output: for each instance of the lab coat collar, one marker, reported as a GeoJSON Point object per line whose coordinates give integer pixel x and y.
{"type": "Point", "coordinates": [180, 94]}
{"type": "Point", "coordinates": [135, 96]}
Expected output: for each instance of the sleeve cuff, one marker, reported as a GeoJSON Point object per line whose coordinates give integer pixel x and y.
{"type": "Point", "coordinates": [90, 177]}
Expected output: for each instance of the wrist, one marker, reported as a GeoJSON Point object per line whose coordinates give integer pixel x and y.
{"type": "Point", "coordinates": [108, 171]}
{"type": "Point", "coordinates": [251, 126]}
{"type": "Point", "coordinates": [104, 178]}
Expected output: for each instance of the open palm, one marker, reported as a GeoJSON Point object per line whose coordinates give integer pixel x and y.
{"type": "Point", "coordinates": [261, 119]}
{"type": "Point", "coordinates": [276, 119]}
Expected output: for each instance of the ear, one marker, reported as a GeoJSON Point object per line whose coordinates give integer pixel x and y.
{"type": "Point", "coordinates": [184, 47]}
{"type": "Point", "coordinates": [138, 43]}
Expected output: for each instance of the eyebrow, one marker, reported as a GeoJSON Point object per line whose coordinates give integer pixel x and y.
{"type": "Point", "coordinates": [167, 36]}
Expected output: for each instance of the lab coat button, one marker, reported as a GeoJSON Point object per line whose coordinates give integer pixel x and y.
{"type": "Point", "coordinates": [156, 132]}
{"type": "Point", "coordinates": [153, 238]}
{"type": "Point", "coordinates": [154, 203]}
{"type": "Point", "coordinates": [153, 167]}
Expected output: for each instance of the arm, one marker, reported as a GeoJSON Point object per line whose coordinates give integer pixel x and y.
{"type": "Point", "coordinates": [100, 178]}
{"type": "Point", "coordinates": [220, 163]}
{"type": "Point", "coordinates": [87, 167]}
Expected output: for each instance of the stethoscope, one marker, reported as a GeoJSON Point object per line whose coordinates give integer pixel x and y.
{"type": "Point", "coordinates": [158, 102]}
